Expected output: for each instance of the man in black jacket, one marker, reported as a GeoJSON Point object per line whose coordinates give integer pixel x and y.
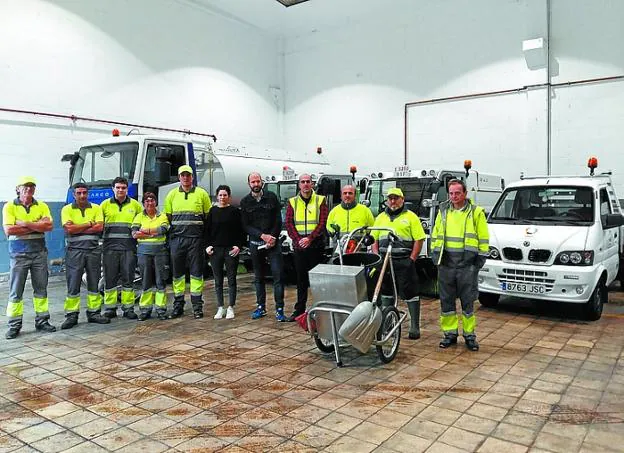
{"type": "Point", "coordinates": [262, 221]}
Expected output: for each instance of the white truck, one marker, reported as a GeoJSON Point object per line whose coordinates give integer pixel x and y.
{"type": "Point", "coordinates": [424, 190]}
{"type": "Point", "coordinates": [151, 162]}
{"type": "Point", "coordinates": [555, 238]}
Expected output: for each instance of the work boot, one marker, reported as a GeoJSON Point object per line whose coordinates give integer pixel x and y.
{"type": "Point", "coordinates": [198, 314]}
{"type": "Point", "coordinates": [45, 326]}
{"type": "Point", "coordinates": [145, 315]}
{"type": "Point", "coordinates": [447, 341]}
{"type": "Point", "coordinates": [413, 305]}
{"type": "Point", "coordinates": [71, 319]}
{"type": "Point", "coordinates": [472, 344]}
{"type": "Point", "coordinates": [162, 315]}
{"type": "Point", "coordinates": [97, 318]}
{"type": "Point", "coordinates": [110, 313]}
{"type": "Point", "coordinates": [177, 312]}
{"type": "Point", "coordinates": [130, 314]}
{"type": "Point", "coordinates": [13, 332]}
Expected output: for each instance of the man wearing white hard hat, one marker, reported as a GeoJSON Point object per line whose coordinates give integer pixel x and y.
{"type": "Point", "coordinates": [25, 222]}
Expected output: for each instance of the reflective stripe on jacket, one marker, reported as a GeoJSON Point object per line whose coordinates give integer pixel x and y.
{"type": "Point", "coordinates": [460, 232]}
{"type": "Point", "coordinates": [118, 219]}
{"type": "Point", "coordinates": [26, 243]}
{"type": "Point", "coordinates": [91, 213]}
{"type": "Point", "coordinates": [188, 211]}
{"type": "Point", "coordinates": [406, 226]}
{"type": "Point", "coordinates": [306, 215]}
{"type": "Point", "coordinates": [154, 245]}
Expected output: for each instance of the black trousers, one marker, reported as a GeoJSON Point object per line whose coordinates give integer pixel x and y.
{"type": "Point", "coordinates": [221, 257]}
{"type": "Point", "coordinates": [406, 279]}
{"type": "Point", "coordinates": [305, 259]}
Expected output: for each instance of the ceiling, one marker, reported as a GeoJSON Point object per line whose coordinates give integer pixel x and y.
{"type": "Point", "coordinates": [308, 17]}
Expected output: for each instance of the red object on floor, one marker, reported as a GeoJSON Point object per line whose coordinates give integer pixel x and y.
{"type": "Point", "coordinates": [302, 321]}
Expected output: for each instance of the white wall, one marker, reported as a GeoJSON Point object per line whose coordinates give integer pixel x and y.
{"type": "Point", "coordinates": [156, 62]}
{"type": "Point", "coordinates": [346, 88]}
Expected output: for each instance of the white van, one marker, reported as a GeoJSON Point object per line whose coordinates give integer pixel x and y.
{"type": "Point", "coordinates": [556, 238]}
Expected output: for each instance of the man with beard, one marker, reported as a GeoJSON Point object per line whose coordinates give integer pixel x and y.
{"type": "Point", "coordinates": [262, 221]}
{"type": "Point", "coordinates": [409, 238]}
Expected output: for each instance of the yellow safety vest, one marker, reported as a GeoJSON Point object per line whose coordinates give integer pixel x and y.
{"type": "Point", "coordinates": [460, 232]}
{"type": "Point", "coordinates": [91, 213]}
{"type": "Point", "coordinates": [349, 219]}
{"type": "Point", "coordinates": [306, 216]}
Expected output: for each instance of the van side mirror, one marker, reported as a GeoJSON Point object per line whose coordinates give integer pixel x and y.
{"type": "Point", "coordinates": [612, 221]}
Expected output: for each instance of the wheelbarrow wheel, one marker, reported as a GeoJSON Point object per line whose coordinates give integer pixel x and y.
{"type": "Point", "coordinates": [323, 345]}
{"type": "Point", "coordinates": [389, 319]}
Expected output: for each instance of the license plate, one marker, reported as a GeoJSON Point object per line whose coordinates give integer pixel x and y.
{"type": "Point", "coordinates": [529, 288]}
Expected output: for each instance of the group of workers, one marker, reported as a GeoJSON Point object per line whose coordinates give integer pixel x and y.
{"type": "Point", "coordinates": [133, 234]}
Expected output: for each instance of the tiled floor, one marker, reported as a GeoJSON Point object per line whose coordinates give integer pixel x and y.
{"type": "Point", "coordinates": [539, 383]}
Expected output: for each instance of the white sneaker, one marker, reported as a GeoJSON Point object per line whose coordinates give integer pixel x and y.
{"type": "Point", "coordinates": [230, 313]}
{"type": "Point", "coordinates": [220, 313]}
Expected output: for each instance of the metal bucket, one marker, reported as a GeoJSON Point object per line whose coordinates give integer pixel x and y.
{"type": "Point", "coordinates": [372, 266]}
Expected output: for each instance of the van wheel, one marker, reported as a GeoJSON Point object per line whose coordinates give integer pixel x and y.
{"type": "Point", "coordinates": [593, 307]}
{"type": "Point", "coordinates": [488, 300]}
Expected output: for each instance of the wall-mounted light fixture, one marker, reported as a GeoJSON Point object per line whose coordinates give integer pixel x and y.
{"type": "Point", "coordinates": [535, 53]}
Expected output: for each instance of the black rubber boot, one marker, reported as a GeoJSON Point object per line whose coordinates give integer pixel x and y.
{"type": "Point", "coordinates": [413, 305]}
{"type": "Point", "coordinates": [71, 319]}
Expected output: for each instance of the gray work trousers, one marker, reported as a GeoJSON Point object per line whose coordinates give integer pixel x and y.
{"type": "Point", "coordinates": [20, 265]}
{"type": "Point", "coordinates": [458, 282]}
{"type": "Point", "coordinates": [88, 261]}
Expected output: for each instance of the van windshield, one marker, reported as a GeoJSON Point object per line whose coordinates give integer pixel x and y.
{"type": "Point", "coordinates": [545, 205]}
{"type": "Point", "coordinates": [415, 190]}
{"type": "Point", "coordinates": [98, 165]}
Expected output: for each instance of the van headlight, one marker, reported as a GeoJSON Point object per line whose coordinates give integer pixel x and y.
{"type": "Point", "coordinates": [575, 258]}
{"type": "Point", "coordinates": [494, 254]}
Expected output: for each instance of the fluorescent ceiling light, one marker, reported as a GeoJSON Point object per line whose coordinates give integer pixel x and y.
{"type": "Point", "coordinates": [288, 3]}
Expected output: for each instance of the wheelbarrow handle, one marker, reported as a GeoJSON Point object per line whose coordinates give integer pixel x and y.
{"type": "Point", "coordinates": [381, 274]}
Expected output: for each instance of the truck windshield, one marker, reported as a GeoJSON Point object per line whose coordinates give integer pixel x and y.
{"type": "Point", "coordinates": [98, 165]}
{"type": "Point", "coordinates": [549, 205]}
{"type": "Point", "coordinates": [415, 190]}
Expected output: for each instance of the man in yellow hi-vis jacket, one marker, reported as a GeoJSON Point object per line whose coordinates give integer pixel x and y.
{"type": "Point", "coordinates": [186, 207]}
{"type": "Point", "coordinates": [460, 246]}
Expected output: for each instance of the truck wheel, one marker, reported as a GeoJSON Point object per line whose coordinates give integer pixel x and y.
{"type": "Point", "coordinates": [489, 300]}
{"type": "Point", "coordinates": [593, 307]}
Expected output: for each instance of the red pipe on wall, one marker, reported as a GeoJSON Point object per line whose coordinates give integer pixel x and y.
{"type": "Point", "coordinates": [495, 93]}
{"type": "Point", "coordinates": [116, 123]}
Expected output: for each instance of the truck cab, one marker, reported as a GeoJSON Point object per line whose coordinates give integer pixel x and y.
{"type": "Point", "coordinates": [148, 162]}
{"type": "Point", "coordinates": [555, 238]}
{"type": "Point", "coordinates": [424, 190]}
